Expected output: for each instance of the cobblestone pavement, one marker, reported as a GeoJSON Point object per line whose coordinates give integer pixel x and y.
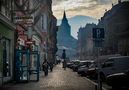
{"type": "Point", "coordinates": [59, 79]}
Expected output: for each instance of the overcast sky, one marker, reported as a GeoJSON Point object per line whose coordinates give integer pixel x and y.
{"type": "Point", "coordinates": [92, 8]}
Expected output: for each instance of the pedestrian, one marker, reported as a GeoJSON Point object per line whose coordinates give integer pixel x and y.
{"type": "Point", "coordinates": [64, 59]}
{"type": "Point", "coordinates": [51, 66]}
{"type": "Point", "coordinates": [45, 67]}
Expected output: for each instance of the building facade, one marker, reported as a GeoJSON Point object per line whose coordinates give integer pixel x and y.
{"type": "Point", "coordinates": [22, 34]}
{"type": "Point", "coordinates": [7, 29]}
{"type": "Point", "coordinates": [85, 42]}
{"type": "Point", "coordinates": [115, 22]}
{"type": "Point", "coordinates": [53, 41]}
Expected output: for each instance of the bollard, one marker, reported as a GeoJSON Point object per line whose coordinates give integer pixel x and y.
{"type": "Point", "coordinates": [96, 86]}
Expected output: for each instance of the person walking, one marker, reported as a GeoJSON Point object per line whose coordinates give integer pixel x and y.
{"type": "Point", "coordinates": [64, 59]}
{"type": "Point", "coordinates": [45, 67]}
{"type": "Point", "coordinates": [51, 66]}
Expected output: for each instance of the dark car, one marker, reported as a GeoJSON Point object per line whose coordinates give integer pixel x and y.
{"type": "Point", "coordinates": [92, 73]}
{"type": "Point", "coordinates": [87, 63]}
{"type": "Point", "coordinates": [82, 69]}
{"type": "Point", "coordinates": [69, 64]}
{"type": "Point", "coordinates": [75, 62]}
{"type": "Point", "coordinates": [118, 80]}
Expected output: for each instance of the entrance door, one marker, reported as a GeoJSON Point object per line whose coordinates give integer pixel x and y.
{"type": "Point", "coordinates": [27, 65]}
{"type": "Point", "coordinates": [22, 65]}
{"type": "Point", "coordinates": [34, 65]}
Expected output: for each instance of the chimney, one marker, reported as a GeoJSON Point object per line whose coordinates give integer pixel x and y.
{"type": "Point", "coordinates": [112, 4]}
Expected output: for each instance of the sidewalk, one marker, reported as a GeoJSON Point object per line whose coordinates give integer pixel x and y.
{"type": "Point", "coordinates": [59, 79]}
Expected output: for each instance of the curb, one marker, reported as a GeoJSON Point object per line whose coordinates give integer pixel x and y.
{"type": "Point", "coordinates": [94, 83]}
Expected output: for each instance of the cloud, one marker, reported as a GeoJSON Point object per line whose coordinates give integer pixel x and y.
{"type": "Point", "coordinates": [93, 8]}
{"type": "Point", "coordinates": [56, 2]}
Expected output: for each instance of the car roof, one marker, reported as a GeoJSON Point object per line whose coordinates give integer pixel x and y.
{"type": "Point", "coordinates": [87, 61]}
{"type": "Point", "coordinates": [119, 57]}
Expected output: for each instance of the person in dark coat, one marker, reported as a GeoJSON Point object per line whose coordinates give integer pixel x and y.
{"type": "Point", "coordinates": [64, 59]}
{"type": "Point", "coordinates": [51, 66]}
{"type": "Point", "coordinates": [45, 67]}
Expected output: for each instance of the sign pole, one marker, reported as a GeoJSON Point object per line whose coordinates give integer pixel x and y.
{"type": "Point", "coordinates": [99, 79]}
{"type": "Point", "coordinates": [98, 37]}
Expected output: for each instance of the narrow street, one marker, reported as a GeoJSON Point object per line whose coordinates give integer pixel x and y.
{"type": "Point", "coordinates": [59, 79]}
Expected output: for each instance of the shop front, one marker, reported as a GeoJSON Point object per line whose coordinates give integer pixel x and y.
{"type": "Point", "coordinates": [6, 52]}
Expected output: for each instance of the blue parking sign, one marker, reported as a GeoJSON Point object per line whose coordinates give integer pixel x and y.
{"type": "Point", "coordinates": [98, 36]}
{"type": "Point", "coordinates": [98, 33]}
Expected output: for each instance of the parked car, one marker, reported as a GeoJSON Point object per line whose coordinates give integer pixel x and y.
{"type": "Point", "coordinates": [82, 69]}
{"type": "Point", "coordinates": [115, 65]}
{"type": "Point", "coordinates": [92, 71]}
{"type": "Point", "coordinates": [110, 66]}
{"type": "Point", "coordinates": [82, 63]}
{"type": "Point", "coordinates": [70, 63]}
{"type": "Point", "coordinates": [75, 62]}
{"type": "Point", "coordinates": [118, 80]}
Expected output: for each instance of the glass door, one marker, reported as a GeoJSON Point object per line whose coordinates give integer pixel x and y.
{"type": "Point", "coordinates": [34, 65]}
{"type": "Point", "coordinates": [22, 65]}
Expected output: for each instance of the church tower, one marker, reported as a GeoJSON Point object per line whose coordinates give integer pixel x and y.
{"type": "Point", "coordinates": [65, 27]}
{"type": "Point", "coordinates": [65, 39]}
{"type": "Point", "coordinates": [64, 20]}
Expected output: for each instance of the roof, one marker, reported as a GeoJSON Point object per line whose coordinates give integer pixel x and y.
{"type": "Point", "coordinates": [119, 57]}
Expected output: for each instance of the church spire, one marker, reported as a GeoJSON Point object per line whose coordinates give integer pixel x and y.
{"type": "Point", "coordinates": [64, 17]}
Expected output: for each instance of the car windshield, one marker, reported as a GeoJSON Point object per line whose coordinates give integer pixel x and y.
{"type": "Point", "coordinates": [92, 65]}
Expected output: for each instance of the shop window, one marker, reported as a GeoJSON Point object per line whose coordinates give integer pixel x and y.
{"type": "Point", "coordinates": [6, 57]}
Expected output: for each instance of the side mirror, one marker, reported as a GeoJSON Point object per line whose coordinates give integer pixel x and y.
{"type": "Point", "coordinates": [127, 72]}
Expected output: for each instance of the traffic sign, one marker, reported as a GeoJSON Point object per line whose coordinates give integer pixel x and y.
{"type": "Point", "coordinates": [98, 33]}
{"type": "Point", "coordinates": [98, 36]}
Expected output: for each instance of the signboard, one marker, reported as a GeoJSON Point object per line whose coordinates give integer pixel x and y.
{"type": "Point", "coordinates": [98, 36]}
{"type": "Point", "coordinates": [30, 42]}
{"type": "Point", "coordinates": [44, 33]}
{"type": "Point", "coordinates": [20, 41]}
{"type": "Point", "coordinates": [26, 19]}
{"type": "Point", "coordinates": [98, 33]}
{"type": "Point", "coordinates": [24, 37]}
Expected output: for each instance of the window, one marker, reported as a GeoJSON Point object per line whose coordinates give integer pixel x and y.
{"type": "Point", "coordinates": [5, 7]}
{"type": "Point", "coordinates": [108, 63]}
{"type": "Point", "coordinates": [6, 57]}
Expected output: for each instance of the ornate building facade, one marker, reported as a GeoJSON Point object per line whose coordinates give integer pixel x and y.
{"type": "Point", "coordinates": [19, 34]}
{"type": "Point", "coordinates": [116, 25]}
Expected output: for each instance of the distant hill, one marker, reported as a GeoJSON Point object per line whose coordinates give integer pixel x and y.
{"type": "Point", "coordinates": [77, 21]}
